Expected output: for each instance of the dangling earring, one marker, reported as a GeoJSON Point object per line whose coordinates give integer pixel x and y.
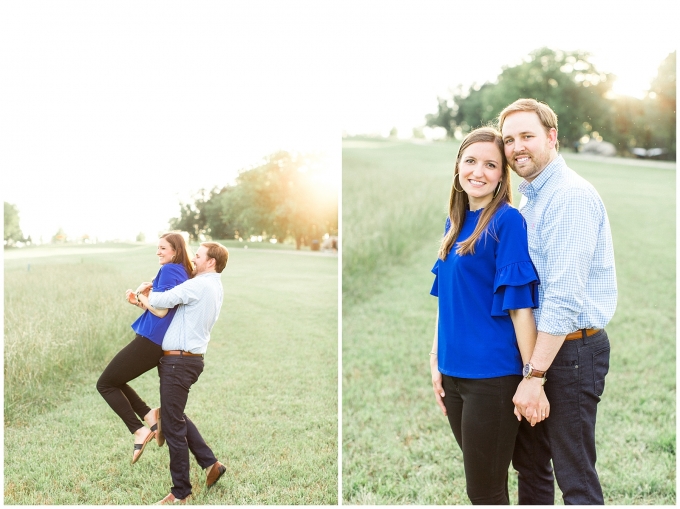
{"type": "Point", "coordinates": [454, 183]}
{"type": "Point", "coordinates": [498, 188]}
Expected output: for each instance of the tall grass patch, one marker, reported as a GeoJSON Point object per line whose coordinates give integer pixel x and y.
{"type": "Point", "coordinates": [397, 446]}
{"type": "Point", "coordinates": [266, 402]}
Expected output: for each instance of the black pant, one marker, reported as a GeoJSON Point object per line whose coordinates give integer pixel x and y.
{"type": "Point", "coordinates": [575, 384]}
{"type": "Point", "coordinates": [138, 357]}
{"type": "Point", "coordinates": [178, 373]}
{"type": "Point", "coordinates": [480, 413]}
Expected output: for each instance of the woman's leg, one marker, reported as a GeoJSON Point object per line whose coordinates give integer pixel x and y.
{"type": "Point", "coordinates": [488, 431]}
{"type": "Point", "coordinates": [138, 357]}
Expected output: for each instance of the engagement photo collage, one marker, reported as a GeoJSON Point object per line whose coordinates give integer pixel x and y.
{"type": "Point", "coordinates": [338, 253]}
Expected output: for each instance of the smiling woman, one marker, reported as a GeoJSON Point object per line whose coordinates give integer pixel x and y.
{"type": "Point", "coordinates": [485, 285]}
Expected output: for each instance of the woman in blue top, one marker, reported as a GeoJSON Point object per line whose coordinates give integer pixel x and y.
{"type": "Point", "coordinates": [143, 353]}
{"type": "Point", "coordinates": [486, 286]}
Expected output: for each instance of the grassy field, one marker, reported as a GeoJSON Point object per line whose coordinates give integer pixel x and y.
{"type": "Point", "coordinates": [266, 402]}
{"type": "Point", "coordinates": [397, 446]}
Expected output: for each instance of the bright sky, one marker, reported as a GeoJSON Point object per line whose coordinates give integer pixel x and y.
{"type": "Point", "coordinates": [115, 111]}
{"type": "Point", "coordinates": [400, 56]}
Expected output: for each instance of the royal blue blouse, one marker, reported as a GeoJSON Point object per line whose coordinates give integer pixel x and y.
{"type": "Point", "coordinates": [148, 324]}
{"type": "Point", "coordinates": [476, 338]}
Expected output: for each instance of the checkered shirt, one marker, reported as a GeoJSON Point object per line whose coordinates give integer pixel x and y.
{"type": "Point", "coordinates": [570, 243]}
{"type": "Point", "coordinates": [200, 301]}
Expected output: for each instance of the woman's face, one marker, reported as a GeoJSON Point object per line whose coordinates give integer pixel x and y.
{"type": "Point", "coordinates": [165, 252]}
{"type": "Point", "coordinates": [480, 172]}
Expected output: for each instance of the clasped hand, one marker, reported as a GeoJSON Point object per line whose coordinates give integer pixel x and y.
{"type": "Point", "coordinates": [131, 296]}
{"type": "Point", "coordinates": [531, 402]}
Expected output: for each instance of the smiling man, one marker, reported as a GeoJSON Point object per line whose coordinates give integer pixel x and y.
{"type": "Point", "coordinates": [198, 302]}
{"type": "Point", "coordinates": [570, 244]}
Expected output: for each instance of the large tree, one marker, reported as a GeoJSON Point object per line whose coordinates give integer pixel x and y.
{"type": "Point", "coordinates": [12, 230]}
{"type": "Point", "coordinates": [281, 198]}
{"type": "Point", "coordinates": [566, 80]}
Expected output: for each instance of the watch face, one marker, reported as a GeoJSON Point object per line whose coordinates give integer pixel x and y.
{"type": "Point", "coordinates": [526, 370]}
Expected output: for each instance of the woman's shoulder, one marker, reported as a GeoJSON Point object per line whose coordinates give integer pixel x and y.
{"type": "Point", "coordinates": [507, 214]}
{"type": "Point", "coordinates": [176, 269]}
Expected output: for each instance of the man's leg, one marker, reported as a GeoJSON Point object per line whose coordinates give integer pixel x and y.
{"type": "Point", "coordinates": [177, 374]}
{"type": "Point", "coordinates": [531, 459]}
{"type": "Point", "coordinates": [575, 384]}
{"type": "Point", "coordinates": [203, 454]}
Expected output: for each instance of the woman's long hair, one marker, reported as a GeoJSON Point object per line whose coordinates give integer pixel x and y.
{"type": "Point", "coordinates": [176, 240]}
{"type": "Point", "coordinates": [459, 202]}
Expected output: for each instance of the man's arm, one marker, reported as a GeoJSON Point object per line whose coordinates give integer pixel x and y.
{"type": "Point", "coordinates": [180, 294]}
{"type": "Point", "coordinates": [569, 241]}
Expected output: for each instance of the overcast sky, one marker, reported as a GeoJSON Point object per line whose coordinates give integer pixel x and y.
{"type": "Point", "coordinates": [111, 113]}
{"type": "Point", "coordinates": [114, 112]}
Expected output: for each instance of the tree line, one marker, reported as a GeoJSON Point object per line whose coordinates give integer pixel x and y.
{"type": "Point", "coordinates": [285, 198]}
{"type": "Point", "coordinates": [580, 95]}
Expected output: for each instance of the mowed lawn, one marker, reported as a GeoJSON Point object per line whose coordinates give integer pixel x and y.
{"type": "Point", "coordinates": [397, 446]}
{"type": "Point", "coordinates": [266, 402]}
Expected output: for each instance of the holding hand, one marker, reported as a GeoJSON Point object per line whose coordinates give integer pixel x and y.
{"type": "Point", "coordinates": [530, 401]}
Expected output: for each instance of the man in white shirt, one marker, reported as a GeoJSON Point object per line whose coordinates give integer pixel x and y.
{"type": "Point", "coordinates": [199, 301]}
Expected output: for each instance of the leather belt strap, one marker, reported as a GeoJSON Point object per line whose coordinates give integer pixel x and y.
{"type": "Point", "coordinates": [181, 352]}
{"type": "Point", "coordinates": [579, 334]}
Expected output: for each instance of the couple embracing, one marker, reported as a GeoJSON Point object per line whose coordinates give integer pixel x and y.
{"type": "Point", "coordinates": [520, 353]}
{"type": "Point", "coordinates": [181, 307]}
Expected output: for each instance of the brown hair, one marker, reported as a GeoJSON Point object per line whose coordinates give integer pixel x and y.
{"type": "Point", "coordinates": [545, 114]}
{"type": "Point", "coordinates": [458, 201]}
{"type": "Point", "coordinates": [181, 251]}
{"type": "Point", "coordinates": [219, 253]}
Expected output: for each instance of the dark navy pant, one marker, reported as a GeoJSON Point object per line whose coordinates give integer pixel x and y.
{"type": "Point", "coordinates": [575, 384]}
{"type": "Point", "coordinates": [480, 412]}
{"type": "Point", "coordinates": [178, 374]}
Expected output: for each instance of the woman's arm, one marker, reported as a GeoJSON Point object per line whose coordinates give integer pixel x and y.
{"type": "Point", "coordinates": [434, 369]}
{"type": "Point", "coordinates": [525, 330]}
{"type": "Point", "coordinates": [144, 301]}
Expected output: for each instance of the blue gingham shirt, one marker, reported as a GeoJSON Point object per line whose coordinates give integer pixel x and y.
{"type": "Point", "coordinates": [200, 302]}
{"type": "Point", "coordinates": [570, 243]}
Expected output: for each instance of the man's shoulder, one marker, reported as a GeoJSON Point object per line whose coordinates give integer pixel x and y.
{"type": "Point", "coordinates": [568, 184]}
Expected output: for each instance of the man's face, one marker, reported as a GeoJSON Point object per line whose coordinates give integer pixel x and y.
{"type": "Point", "coordinates": [528, 147]}
{"type": "Point", "coordinates": [202, 261]}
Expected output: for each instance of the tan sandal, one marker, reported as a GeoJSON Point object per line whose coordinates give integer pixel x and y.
{"type": "Point", "coordinates": [140, 447]}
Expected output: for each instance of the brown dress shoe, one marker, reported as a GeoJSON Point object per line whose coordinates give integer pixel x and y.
{"type": "Point", "coordinates": [215, 471]}
{"type": "Point", "coordinates": [170, 499]}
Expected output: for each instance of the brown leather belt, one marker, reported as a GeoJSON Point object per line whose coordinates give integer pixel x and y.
{"type": "Point", "coordinates": [180, 352]}
{"type": "Point", "coordinates": [579, 334]}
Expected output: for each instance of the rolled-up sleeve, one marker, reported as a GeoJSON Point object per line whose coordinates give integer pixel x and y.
{"type": "Point", "coordinates": [568, 253]}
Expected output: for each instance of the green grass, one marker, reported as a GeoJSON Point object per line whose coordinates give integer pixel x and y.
{"type": "Point", "coordinates": [266, 401]}
{"type": "Point", "coordinates": [397, 446]}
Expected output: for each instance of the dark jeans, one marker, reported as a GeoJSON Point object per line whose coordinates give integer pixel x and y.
{"type": "Point", "coordinates": [178, 374]}
{"type": "Point", "coordinates": [480, 412]}
{"type": "Point", "coordinates": [575, 384]}
{"type": "Point", "coordinates": [138, 357]}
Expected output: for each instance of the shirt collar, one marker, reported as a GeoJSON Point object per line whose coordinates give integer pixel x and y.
{"type": "Point", "coordinates": [531, 189]}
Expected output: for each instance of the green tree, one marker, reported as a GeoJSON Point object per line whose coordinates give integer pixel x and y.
{"type": "Point", "coordinates": [13, 233]}
{"type": "Point", "coordinates": [567, 81]}
{"type": "Point", "coordinates": [281, 198]}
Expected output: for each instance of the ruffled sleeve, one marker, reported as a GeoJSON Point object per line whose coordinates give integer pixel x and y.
{"type": "Point", "coordinates": [435, 270]}
{"type": "Point", "coordinates": [515, 286]}
{"type": "Point", "coordinates": [516, 280]}
{"type": "Point", "coordinates": [435, 284]}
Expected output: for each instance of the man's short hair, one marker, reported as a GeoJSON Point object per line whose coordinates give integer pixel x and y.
{"type": "Point", "coordinates": [217, 252]}
{"type": "Point", "coordinates": [545, 114]}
